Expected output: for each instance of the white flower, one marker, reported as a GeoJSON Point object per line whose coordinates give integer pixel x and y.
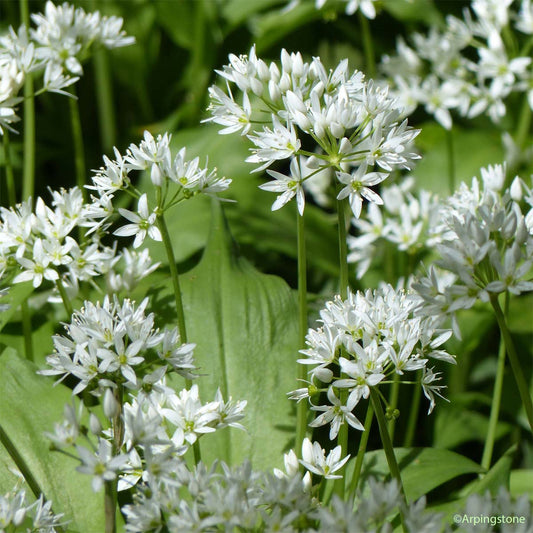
{"type": "Point", "coordinates": [143, 223]}
{"type": "Point", "coordinates": [315, 460]}
{"type": "Point", "coordinates": [289, 186]}
{"type": "Point", "coordinates": [37, 268]}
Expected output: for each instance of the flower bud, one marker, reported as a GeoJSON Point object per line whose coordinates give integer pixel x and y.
{"type": "Point", "coordinates": [516, 189]}
{"type": "Point", "coordinates": [94, 424]}
{"type": "Point", "coordinates": [312, 163]}
{"type": "Point", "coordinates": [110, 404]}
{"type": "Point", "coordinates": [324, 374]}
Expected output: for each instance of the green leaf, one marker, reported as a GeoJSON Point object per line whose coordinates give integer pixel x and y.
{"type": "Point", "coordinates": [422, 469]}
{"type": "Point", "coordinates": [238, 11]}
{"type": "Point", "coordinates": [244, 324]}
{"type": "Point", "coordinates": [16, 295]}
{"type": "Point", "coordinates": [414, 11]}
{"type": "Point", "coordinates": [520, 483]}
{"type": "Point", "coordinates": [456, 425]}
{"type": "Point", "coordinates": [29, 406]}
{"type": "Point", "coordinates": [520, 318]}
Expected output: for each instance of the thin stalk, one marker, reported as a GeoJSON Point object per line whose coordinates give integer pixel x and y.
{"type": "Point", "coordinates": [110, 505]}
{"type": "Point", "coordinates": [413, 413]}
{"type": "Point", "coordinates": [387, 447]}
{"type": "Point", "coordinates": [523, 388]}
{"type": "Point", "coordinates": [368, 46]}
{"type": "Point", "coordinates": [104, 99]}
{"type": "Point", "coordinates": [302, 407]}
{"type": "Point", "coordinates": [450, 151]}
{"type": "Point", "coordinates": [342, 437]}
{"type": "Point", "coordinates": [167, 242]}
{"type": "Point", "coordinates": [64, 297]}
{"type": "Point", "coordinates": [524, 124]}
{"type": "Point", "coordinates": [393, 402]}
{"type": "Point", "coordinates": [77, 139]}
{"type": "Point", "coordinates": [361, 451]}
{"type": "Point", "coordinates": [10, 178]}
{"type": "Point", "coordinates": [20, 462]}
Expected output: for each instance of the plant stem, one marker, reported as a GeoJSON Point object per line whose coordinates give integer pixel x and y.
{"type": "Point", "coordinates": [10, 178]}
{"type": "Point", "coordinates": [413, 413]}
{"type": "Point", "coordinates": [342, 438]}
{"type": "Point", "coordinates": [387, 447]}
{"type": "Point", "coordinates": [27, 330]}
{"type": "Point", "coordinates": [110, 505]}
{"type": "Point", "coordinates": [64, 297]}
{"type": "Point", "coordinates": [161, 224]}
{"type": "Point", "coordinates": [368, 46]}
{"type": "Point", "coordinates": [523, 388]}
{"type": "Point", "coordinates": [450, 150]}
{"type": "Point", "coordinates": [302, 407]}
{"type": "Point", "coordinates": [361, 451]}
{"type": "Point", "coordinates": [77, 139]}
{"type": "Point", "coordinates": [524, 124]}
{"type": "Point", "coordinates": [393, 402]}
{"type": "Point", "coordinates": [104, 98]}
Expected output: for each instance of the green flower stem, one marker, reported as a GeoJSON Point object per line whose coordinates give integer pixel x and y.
{"type": "Point", "coordinates": [361, 451]}
{"type": "Point", "coordinates": [104, 98]}
{"type": "Point", "coordinates": [368, 46]}
{"type": "Point", "coordinates": [450, 150]}
{"type": "Point", "coordinates": [110, 505]}
{"type": "Point", "coordinates": [523, 388]}
{"type": "Point", "coordinates": [393, 402]}
{"type": "Point", "coordinates": [20, 462]}
{"type": "Point", "coordinates": [342, 438]}
{"type": "Point", "coordinates": [10, 178]}
{"type": "Point", "coordinates": [387, 447]}
{"type": "Point", "coordinates": [167, 242]}
{"type": "Point", "coordinates": [524, 124]}
{"type": "Point", "coordinates": [413, 413]}
{"type": "Point", "coordinates": [64, 297]}
{"type": "Point", "coordinates": [302, 407]}
{"type": "Point", "coordinates": [77, 139]}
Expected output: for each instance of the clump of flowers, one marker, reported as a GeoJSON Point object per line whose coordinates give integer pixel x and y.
{"type": "Point", "coordinates": [409, 221]}
{"type": "Point", "coordinates": [470, 67]}
{"type": "Point", "coordinates": [337, 118]}
{"type": "Point", "coordinates": [486, 246]}
{"type": "Point", "coordinates": [372, 336]}
{"type": "Point", "coordinates": [61, 38]}
{"type": "Point", "coordinates": [18, 513]}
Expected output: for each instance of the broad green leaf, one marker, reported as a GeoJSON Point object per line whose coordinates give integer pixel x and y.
{"type": "Point", "coordinates": [239, 11]}
{"type": "Point", "coordinates": [456, 425]}
{"type": "Point", "coordinates": [521, 482]}
{"type": "Point", "coordinates": [29, 406]}
{"type": "Point", "coordinates": [422, 469]}
{"type": "Point", "coordinates": [16, 295]}
{"type": "Point", "coordinates": [414, 11]}
{"type": "Point", "coordinates": [244, 324]}
{"type": "Point", "coordinates": [473, 149]}
{"type": "Point", "coordinates": [521, 314]}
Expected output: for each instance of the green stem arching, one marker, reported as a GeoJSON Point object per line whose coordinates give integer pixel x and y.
{"type": "Point", "coordinates": [413, 413]}
{"type": "Point", "coordinates": [387, 447]}
{"type": "Point", "coordinates": [524, 123]}
{"type": "Point", "coordinates": [10, 178]}
{"type": "Point", "coordinates": [361, 451]}
{"type": "Point", "coordinates": [110, 506]}
{"type": "Point", "coordinates": [301, 408]}
{"type": "Point", "coordinates": [523, 388]}
{"type": "Point", "coordinates": [77, 139]}
{"type": "Point", "coordinates": [450, 151]}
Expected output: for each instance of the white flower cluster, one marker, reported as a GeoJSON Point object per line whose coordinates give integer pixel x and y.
{"type": "Point", "coordinates": [351, 124]}
{"type": "Point", "coordinates": [409, 221]}
{"type": "Point", "coordinates": [487, 245]}
{"type": "Point", "coordinates": [175, 178]}
{"type": "Point", "coordinates": [371, 336]}
{"type": "Point", "coordinates": [469, 67]}
{"type": "Point", "coordinates": [39, 241]}
{"type": "Point", "coordinates": [366, 7]}
{"type": "Point", "coordinates": [62, 37]}
{"type": "Point", "coordinates": [110, 343]}
{"type": "Point", "coordinates": [17, 513]}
